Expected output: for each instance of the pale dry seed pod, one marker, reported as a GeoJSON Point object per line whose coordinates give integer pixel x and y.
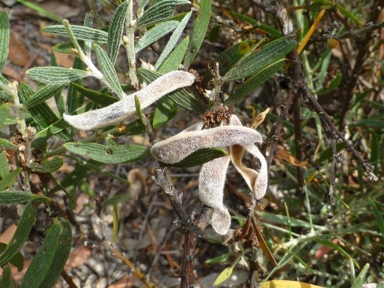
{"type": "Point", "coordinates": [256, 181]}
{"type": "Point", "coordinates": [211, 192]}
{"type": "Point", "coordinates": [178, 147]}
{"type": "Point", "coordinates": [125, 108]}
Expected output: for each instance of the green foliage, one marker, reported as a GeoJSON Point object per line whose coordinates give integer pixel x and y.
{"type": "Point", "coordinates": [327, 244]}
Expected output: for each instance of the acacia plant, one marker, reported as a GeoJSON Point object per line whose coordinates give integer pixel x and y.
{"type": "Point", "coordinates": [306, 205]}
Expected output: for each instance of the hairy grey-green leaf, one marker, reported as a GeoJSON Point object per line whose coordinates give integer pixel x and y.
{"type": "Point", "coordinates": [108, 154]}
{"type": "Point", "coordinates": [4, 36]}
{"type": "Point", "coordinates": [155, 34]}
{"type": "Point", "coordinates": [115, 31]}
{"type": "Point", "coordinates": [41, 262]}
{"type": "Point", "coordinates": [56, 75]}
{"type": "Point", "coordinates": [268, 55]}
{"type": "Point", "coordinates": [159, 12]}
{"type": "Point", "coordinates": [173, 40]}
{"type": "Point", "coordinates": [22, 231]}
{"type": "Point", "coordinates": [44, 94]}
{"type": "Point", "coordinates": [199, 31]}
{"type": "Point", "coordinates": [80, 32]}
{"type": "Point", "coordinates": [109, 72]}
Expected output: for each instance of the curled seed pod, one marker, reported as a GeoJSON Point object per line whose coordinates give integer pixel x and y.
{"type": "Point", "coordinates": [257, 182]}
{"type": "Point", "coordinates": [176, 148]}
{"type": "Point", "coordinates": [125, 108]}
{"type": "Point", "coordinates": [261, 184]}
{"type": "Point", "coordinates": [211, 192]}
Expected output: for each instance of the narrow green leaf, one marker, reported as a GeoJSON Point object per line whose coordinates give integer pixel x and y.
{"type": "Point", "coordinates": [368, 123]}
{"type": "Point", "coordinates": [348, 14]}
{"type": "Point", "coordinates": [4, 112]}
{"type": "Point", "coordinates": [253, 82]}
{"type": "Point", "coordinates": [361, 277]}
{"type": "Point", "coordinates": [6, 280]}
{"type": "Point", "coordinates": [55, 75]}
{"type": "Point", "coordinates": [17, 260]}
{"type": "Point", "coordinates": [181, 97]}
{"type": "Point", "coordinates": [108, 70]}
{"type": "Point", "coordinates": [88, 22]}
{"type": "Point", "coordinates": [42, 261]}
{"type": "Point", "coordinates": [74, 99]}
{"type": "Point", "coordinates": [115, 31]}
{"type": "Point", "coordinates": [97, 97]}
{"type": "Point", "coordinates": [108, 154]}
{"type": "Point", "coordinates": [269, 54]}
{"type": "Point", "coordinates": [80, 32]}
{"type": "Point", "coordinates": [4, 168]}
{"type": "Point", "coordinates": [4, 36]}
{"type": "Point", "coordinates": [61, 256]}
{"type": "Point", "coordinates": [159, 12]}
{"type": "Point", "coordinates": [65, 48]}
{"type": "Point", "coordinates": [53, 129]}
{"type": "Point", "coordinates": [230, 57]}
{"type": "Point", "coordinates": [199, 31]}
{"type": "Point", "coordinates": [43, 94]}
{"type": "Point", "coordinates": [173, 40]}
{"type": "Point", "coordinates": [38, 8]}
{"type": "Point", "coordinates": [15, 197]}
{"type": "Point", "coordinates": [22, 231]}
{"type": "Point", "coordinates": [76, 176]}
{"type": "Point", "coordinates": [201, 156]}
{"type": "Point", "coordinates": [175, 58]}
{"type": "Point", "coordinates": [47, 166]}
{"type": "Point", "coordinates": [283, 220]}
{"type": "Point", "coordinates": [9, 179]}
{"type": "Point", "coordinates": [327, 154]}
{"type": "Point", "coordinates": [320, 5]}
{"type": "Point", "coordinates": [155, 34]}
{"type": "Point", "coordinates": [220, 259]}
{"type": "Point", "coordinates": [5, 144]}
{"type": "Point", "coordinates": [332, 86]}
{"type": "Point", "coordinates": [165, 110]}
{"type": "Point", "coordinates": [257, 24]}
{"type": "Point", "coordinates": [332, 245]}
{"type": "Point", "coordinates": [378, 216]}
{"type": "Point", "coordinates": [44, 116]}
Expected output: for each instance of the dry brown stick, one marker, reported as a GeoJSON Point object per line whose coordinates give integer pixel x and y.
{"type": "Point", "coordinates": [163, 180]}
{"type": "Point", "coordinates": [189, 247]}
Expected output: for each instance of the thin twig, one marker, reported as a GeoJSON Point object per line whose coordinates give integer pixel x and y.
{"type": "Point", "coordinates": [276, 129]}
